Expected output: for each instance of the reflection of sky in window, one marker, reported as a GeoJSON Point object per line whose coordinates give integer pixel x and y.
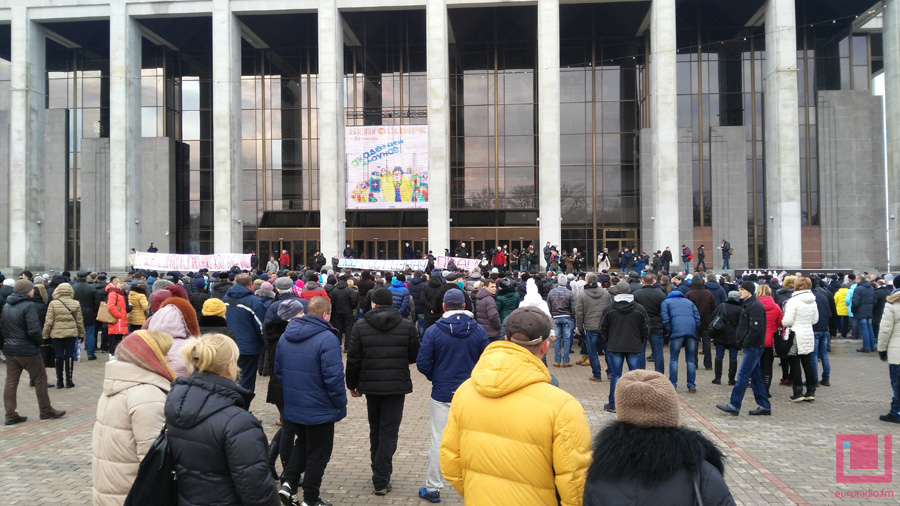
{"type": "Point", "coordinates": [190, 94]}
{"type": "Point", "coordinates": [148, 122]}
{"type": "Point", "coordinates": [190, 125]}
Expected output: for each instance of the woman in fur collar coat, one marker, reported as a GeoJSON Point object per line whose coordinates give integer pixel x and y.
{"type": "Point", "coordinates": [646, 458]}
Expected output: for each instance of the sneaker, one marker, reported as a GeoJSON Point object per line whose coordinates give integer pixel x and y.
{"type": "Point", "coordinates": [610, 408]}
{"type": "Point", "coordinates": [716, 381]}
{"type": "Point", "coordinates": [809, 397]}
{"type": "Point", "coordinates": [825, 383]}
{"type": "Point", "coordinates": [884, 418]}
{"type": "Point", "coordinates": [434, 496]}
{"type": "Point", "coordinates": [797, 398]}
{"type": "Point", "coordinates": [287, 495]}
{"type": "Point", "coordinates": [18, 419]}
{"type": "Point", "coordinates": [761, 412]}
{"type": "Point", "coordinates": [319, 502]}
{"type": "Point", "coordinates": [53, 414]}
{"type": "Point", "coordinates": [384, 491]}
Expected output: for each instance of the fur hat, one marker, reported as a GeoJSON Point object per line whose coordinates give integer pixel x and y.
{"type": "Point", "coordinates": [647, 399]}
{"type": "Point", "coordinates": [187, 312]}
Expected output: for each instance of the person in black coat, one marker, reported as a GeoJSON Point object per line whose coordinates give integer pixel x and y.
{"type": "Point", "coordinates": [382, 345]}
{"type": "Point", "coordinates": [706, 305]}
{"type": "Point", "coordinates": [343, 301]}
{"type": "Point", "coordinates": [429, 292]}
{"type": "Point", "coordinates": [219, 448]}
{"type": "Point", "coordinates": [437, 308]}
{"type": "Point", "coordinates": [651, 298]}
{"type": "Point", "coordinates": [86, 295]}
{"type": "Point", "coordinates": [863, 308]}
{"type": "Point", "coordinates": [723, 335]}
{"type": "Point", "coordinates": [751, 334]}
{"type": "Point", "coordinates": [646, 458]}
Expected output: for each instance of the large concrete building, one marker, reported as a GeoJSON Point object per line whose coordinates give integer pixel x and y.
{"type": "Point", "coordinates": [218, 126]}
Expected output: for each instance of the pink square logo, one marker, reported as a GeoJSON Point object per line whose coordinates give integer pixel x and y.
{"type": "Point", "coordinates": [857, 455]}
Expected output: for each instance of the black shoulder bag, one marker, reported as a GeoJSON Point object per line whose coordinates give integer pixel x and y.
{"type": "Point", "coordinates": [156, 482]}
{"type": "Point", "coordinates": [783, 341]}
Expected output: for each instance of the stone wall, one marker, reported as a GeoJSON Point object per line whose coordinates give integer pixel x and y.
{"type": "Point", "coordinates": [728, 172]}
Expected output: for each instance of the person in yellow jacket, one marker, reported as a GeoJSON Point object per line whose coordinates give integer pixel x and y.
{"type": "Point", "coordinates": [511, 436]}
{"type": "Point", "coordinates": [840, 305]}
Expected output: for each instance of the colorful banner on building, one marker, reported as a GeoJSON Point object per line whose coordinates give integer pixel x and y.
{"type": "Point", "coordinates": [387, 167]}
{"type": "Point", "coordinates": [382, 265]}
{"type": "Point", "coordinates": [186, 263]}
{"type": "Point", "coordinates": [462, 264]}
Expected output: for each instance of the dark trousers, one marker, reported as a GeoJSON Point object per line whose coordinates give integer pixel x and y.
{"type": "Point", "coordinates": [114, 340]}
{"type": "Point", "coordinates": [248, 364]}
{"type": "Point", "coordinates": [64, 347]}
{"type": "Point", "coordinates": [104, 336]}
{"type": "Point", "coordinates": [844, 324]}
{"type": "Point", "coordinates": [707, 350]}
{"type": "Point", "coordinates": [806, 362]}
{"type": "Point", "coordinates": [15, 364]}
{"type": "Point", "coordinates": [385, 413]}
{"type": "Point", "coordinates": [768, 360]}
{"type": "Point", "coordinates": [312, 451]}
{"type": "Point", "coordinates": [343, 323]}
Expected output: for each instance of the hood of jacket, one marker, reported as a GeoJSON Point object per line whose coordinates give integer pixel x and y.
{"type": "Point", "coordinates": [712, 285]}
{"type": "Point", "coordinates": [305, 327]}
{"type": "Point", "coordinates": [414, 281]}
{"type": "Point", "coordinates": [624, 303]}
{"type": "Point", "coordinates": [804, 296]}
{"type": "Point", "coordinates": [17, 298]}
{"type": "Point", "coordinates": [507, 290]}
{"type": "Point", "coordinates": [170, 320]}
{"type": "Point", "coordinates": [675, 294]}
{"type": "Point", "coordinates": [435, 282]}
{"type": "Point", "coordinates": [341, 284]}
{"type": "Point", "coordinates": [196, 398]}
{"type": "Point", "coordinates": [110, 288]}
{"type": "Point", "coordinates": [238, 292]}
{"type": "Point", "coordinates": [698, 286]}
{"type": "Point", "coordinates": [459, 323]}
{"type": "Point", "coordinates": [383, 318]}
{"type": "Point", "coordinates": [891, 299]}
{"type": "Point", "coordinates": [532, 294]}
{"type": "Point", "coordinates": [398, 284]}
{"type": "Point", "coordinates": [121, 376]}
{"type": "Point", "coordinates": [63, 290]}
{"type": "Point", "coordinates": [483, 294]}
{"type": "Point", "coordinates": [593, 291]}
{"type": "Point", "coordinates": [505, 367]}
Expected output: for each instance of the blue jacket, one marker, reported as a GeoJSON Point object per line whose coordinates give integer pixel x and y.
{"type": "Point", "coordinates": [416, 285]}
{"type": "Point", "coordinates": [863, 301]}
{"type": "Point", "coordinates": [450, 349]}
{"type": "Point", "coordinates": [245, 317]}
{"type": "Point", "coordinates": [400, 297]}
{"type": "Point", "coordinates": [717, 292]}
{"type": "Point", "coordinates": [679, 316]}
{"type": "Point", "coordinates": [308, 363]}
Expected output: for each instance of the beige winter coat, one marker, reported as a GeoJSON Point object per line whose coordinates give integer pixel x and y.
{"type": "Point", "coordinates": [129, 418]}
{"type": "Point", "coordinates": [889, 330]}
{"type": "Point", "coordinates": [63, 314]}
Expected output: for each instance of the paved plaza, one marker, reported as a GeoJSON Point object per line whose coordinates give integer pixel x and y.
{"type": "Point", "coordinates": [788, 458]}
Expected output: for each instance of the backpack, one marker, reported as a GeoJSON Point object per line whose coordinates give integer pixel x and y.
{"type": "Point", "coordinates": [731, 251]}
{"type": "Point", "coordinates": [690, 255]}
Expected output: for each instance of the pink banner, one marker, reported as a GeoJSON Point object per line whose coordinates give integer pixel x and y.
{"type": "Point", "coordinates": [185, 263]}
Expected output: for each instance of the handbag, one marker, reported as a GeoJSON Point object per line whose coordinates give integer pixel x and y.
{"type": "Point", "coordinates": [156, 482]}
{"type": "Point", "coordinates": [103, 314]}
{"type": "Point", "coordinates": [718, 321]}
{"type": "Point", "coordinates": [783, 341]}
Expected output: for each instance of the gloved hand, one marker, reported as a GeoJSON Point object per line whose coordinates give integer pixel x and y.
{"type": "Point", "coordinates": [882, 355]}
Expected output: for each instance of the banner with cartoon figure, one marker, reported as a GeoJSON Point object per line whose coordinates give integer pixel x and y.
{"type": "Point", "coordinates": [387, 167]}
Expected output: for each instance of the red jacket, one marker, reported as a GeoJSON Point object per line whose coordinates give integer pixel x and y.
{"type": "Point", "coordinates": [499, 258]}
{"type": "Point", "coordinates": [284, 259]}
{"type": "Point", "coordinates": [773, 319]}
{"type": "Point", "coordinates": [115, 303]}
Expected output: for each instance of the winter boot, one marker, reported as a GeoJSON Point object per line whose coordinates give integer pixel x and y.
{"type": "Point", "coordinates": [732, 371]}
{"type": "Point", "coordinates": [798, 394]}
{"type": "Point", "coordinates": [718, 379]}
{"type": "Point", "coordinates": [60, 363]}
{"type": "Point", "coordinates": [584, 360]}
{"type": "Point", "coordinates": [810, 394]}
{"type": "Point", "coordinates": [70, 366]}
{"type": "Point", "coordinates": [767, 381]}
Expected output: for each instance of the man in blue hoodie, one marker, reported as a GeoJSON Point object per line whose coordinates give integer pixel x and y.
{"type": "Point", "coordinates": [450, 349]}
{"type": "Point", "coordinates": [400, 295]}
{"type": "Point", "coordinates": [308, 363]}
{"type": "Point", "coordinates": [680, 320]}
{"type": "Point", "coordinates": [245, 316]}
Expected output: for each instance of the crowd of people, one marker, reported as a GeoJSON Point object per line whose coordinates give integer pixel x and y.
{"type": "Point", "coordinates": [185, 351]}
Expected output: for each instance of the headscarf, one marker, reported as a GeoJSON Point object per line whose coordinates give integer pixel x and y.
{"type": "Point", "coordinates": [147, 349]}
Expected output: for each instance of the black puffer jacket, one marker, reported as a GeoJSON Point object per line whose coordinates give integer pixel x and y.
{"type": "Point", "coordinates": [624, 325]}
{"type": "Point", "coordinates": [651, 298]}
{"type": "Point", "coordinates": [20, 326]}
{"type": "Point", "coordinates": [343, 299]}
{"type": "Point", "coordinates": [219, 448]}
{"type": "Point", "coordinates": [429, 292]}
{"type": "Point", "coordinates": [437, 308]}
{"type": "Point", "coordinates": [416, 286]}
{"type": "Point", "coordinates": [382, 345]}
{"type": "Point", "coordinates": [751, 329]}
{"type": "Point", "coordinates": [727, 336]}
{"type": "Point", "coordinates": [863, 305]}
{"type": "Point", "coordinates": [654, 465]}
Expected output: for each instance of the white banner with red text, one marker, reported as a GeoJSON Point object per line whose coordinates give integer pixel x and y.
{"type": "Point", "coordinates": [382, 265]}
{"type": "Point", "coordinates": [185, 263]}
{"type": "Point", "coordinates": [462, 264]}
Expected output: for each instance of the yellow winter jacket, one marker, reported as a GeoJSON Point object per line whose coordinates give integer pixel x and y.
{"type": "Point", "coordinates": [512, 437]}
{"type": "Point", "coordinates": [839, 302]}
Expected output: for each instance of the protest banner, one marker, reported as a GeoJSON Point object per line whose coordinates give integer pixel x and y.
{"type": "Point", "coordinates": [185, 263]}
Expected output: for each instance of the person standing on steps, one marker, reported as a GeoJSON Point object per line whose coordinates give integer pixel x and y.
{"type": "Point", "coordinates": [20, 326]}
{"type": "Point", "coordinates": [726, 254]}
{"type": "Point", "coordinates": [751, 333]}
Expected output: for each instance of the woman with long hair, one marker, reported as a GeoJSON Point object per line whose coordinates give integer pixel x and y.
{"type": "Point", "coordinates": [64, 325]}
{"type": "Point", "coordinates": [117, 306]}
{"type": "Point", "coordinates": [219, 447]}
{"type": "Point", "coordinates": [773, 321]}
{"type": "Point", "coordinates": [137, 297]}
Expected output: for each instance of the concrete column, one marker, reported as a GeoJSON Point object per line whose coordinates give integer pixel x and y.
{"type": "Point", "coordinates": [124, 136]}
{"type": "Point", "coordinates": [332, 168]}
{"type": "Point", "coordinates": [892, 114]}
{"type": "Point", "coordinates": [782, 134]}
{"type": "Point", "coordinates": [226, 68]}
{"type": "Point", "coordinates": [438, 61]}
{"type": "Point", "coordinates": [549, 200]}
{"type": "Point", "coordinates": [663, 164]}
{"type": "Point", "coordinates": [26, 135]}
{"type": "Point", "coordinates": [728, 168]}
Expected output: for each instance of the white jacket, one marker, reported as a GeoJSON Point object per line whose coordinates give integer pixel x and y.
{"type": "Point", "coordinates": [800, 314]}
{"type": "Point", "coordinates": [129, 418]}
{"type": "Point", "coordinates": [889, 330]}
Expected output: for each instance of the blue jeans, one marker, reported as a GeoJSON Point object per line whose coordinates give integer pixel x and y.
{"type": "Point", "coordinates": [420, 324]}
{"type": "Point", "coordinates": [867, 333]}
{"type": "Point", "coordinates": [564, 326]}
{"type": "Point", "coordinates": [725, 264]}
{"type": "Point", "coordinates": [656, 348]}
{"type": "Point", "coordinates": [895, 383]}
{"type": "Point", "coordinates": [732, 353]}
{"type": "Point", "coordinates": [821, 351]}
{"type": "Point", "coordinates": [90, 340]}
{"type": "Point", "coordinates": [687, 265]}
{"type": "Point", "coordinates": [590, 340]}
{"type": "Point", "coordinates": [750, 373]}
{"type": "Point", "coordinates": [690, 351]}
{"type": "Point", "coordinates": [616, 360]}
{"type": "Point", "coordinates": [248, 365]}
